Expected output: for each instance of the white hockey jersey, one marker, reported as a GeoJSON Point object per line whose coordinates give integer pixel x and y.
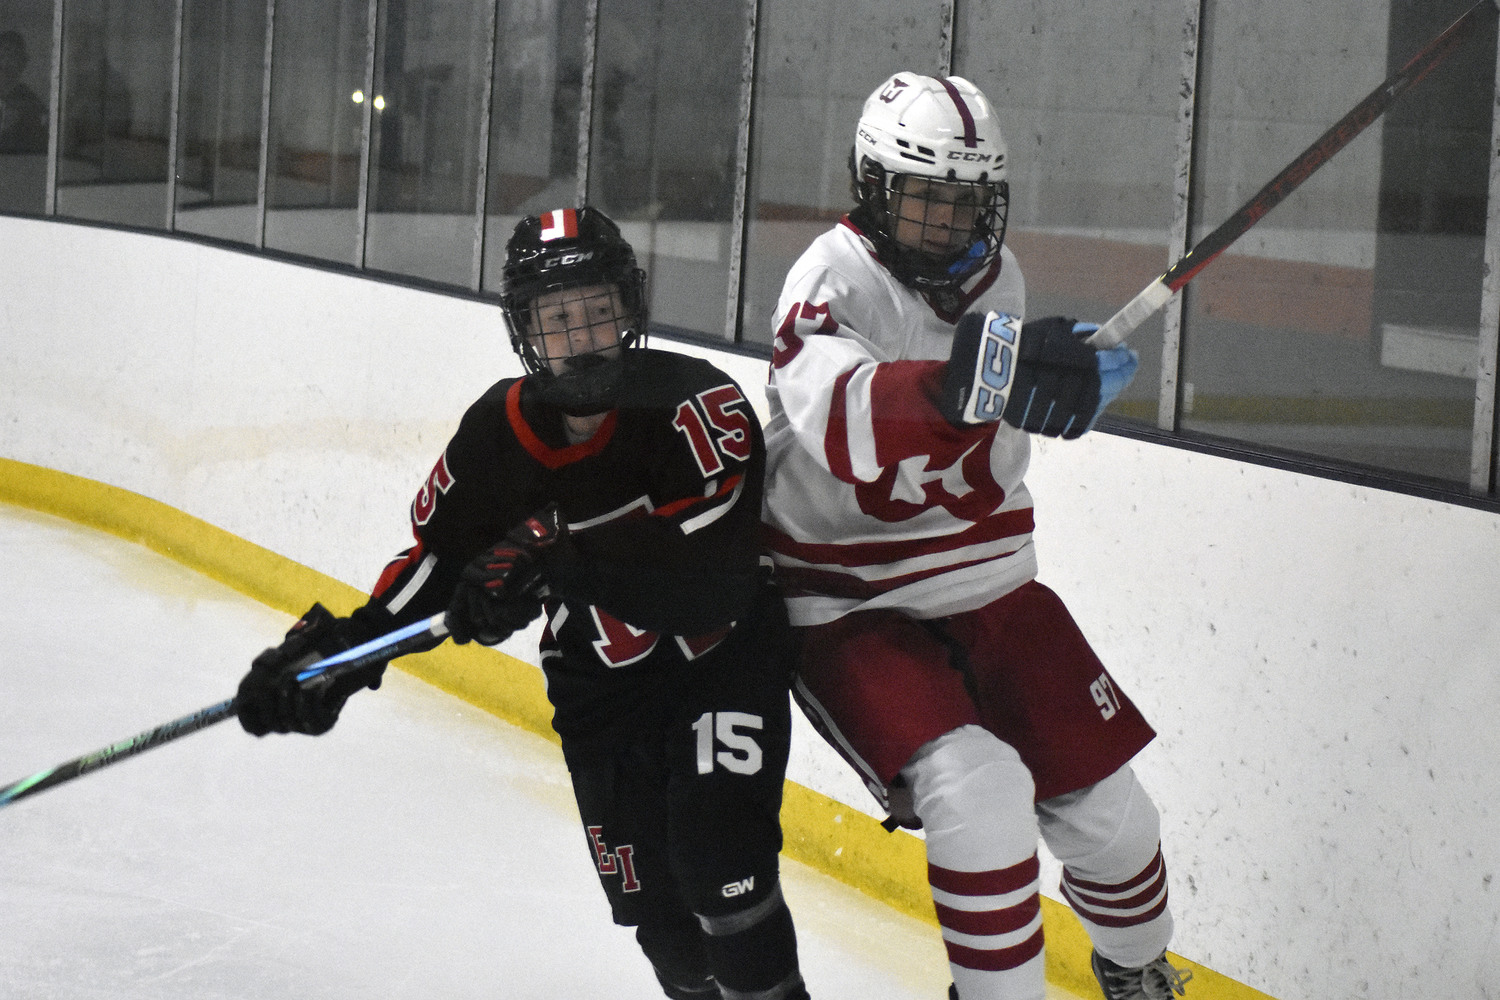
{"type": "Point", "coordinates": [873, 499]}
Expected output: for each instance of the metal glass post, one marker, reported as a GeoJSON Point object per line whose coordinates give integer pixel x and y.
{"type": "Point", "coordinates": [586, 98]}
{"type": "Point", "coordinates": [54, 109]}
{"type": "Point", "coordinates": [366, 135]}
{"type": "Point", "coordinates": [737, 228]}
{"type": "Point", "coordinates": [946, 38]}
{"type": "Point", "coordinates": [174, 115]}
{"type": "Point", "coordinates": [264, 170]}
{"type": "Point", "coordinates": [482, 186]}
{"type": "Point", "coordinates": [1180, 238]}
{"type": "Point", "coordinates": [1482, 454]}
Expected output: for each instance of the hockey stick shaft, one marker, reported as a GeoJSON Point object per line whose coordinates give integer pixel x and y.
{"type": "Point", "coordinates": [417, 637]}
{"type": "Point", "coordinates": [414, 638]}
{"type": "Point", "coordinates": [116, 752]}
{"type": "Point", "coordinates": [1155, 295]}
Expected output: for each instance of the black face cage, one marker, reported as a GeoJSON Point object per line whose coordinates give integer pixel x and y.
{"type": "Point", "coordinates": [520, 315]}
{"type": "Point", "coordinates": [966, 250]}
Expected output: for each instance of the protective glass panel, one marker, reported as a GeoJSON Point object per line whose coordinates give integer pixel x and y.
{"type": "Point", "coordinates": [430, 78]}
{"type": "Point", "coordinates": [25, 88]}
{"type": "Point", "coordinates": [117, 75]}
{"type": "Point", "coordinates": [812, 77]}
{"type": "Point", "coordinates": [318, 104]}
{"type": "Point", "coordinates": [534, 127]}
{"type": "Point", "coordinates": [218, 165]}
{"type": "Point", "coordinates": [662, 154]}
{"type": "Point", "coordinates": [1345, 324]}
{"type": "Point", "coordinates": [1089, 108]}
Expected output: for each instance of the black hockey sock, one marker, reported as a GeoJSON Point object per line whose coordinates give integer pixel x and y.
{"type": "Point", "coordinates": [674, 947]}
{"type": "Point", "coordinates": [753, 952]}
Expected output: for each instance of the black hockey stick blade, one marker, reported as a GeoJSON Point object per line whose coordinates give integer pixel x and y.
{"type": "Point", "coordinates": [414, 638]}
{"type": "Point", "coordinates": [1155, 295]}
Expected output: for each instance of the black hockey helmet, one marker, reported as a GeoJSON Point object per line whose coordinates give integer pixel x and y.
{"type": "Point", "coordinates": [571, 248]}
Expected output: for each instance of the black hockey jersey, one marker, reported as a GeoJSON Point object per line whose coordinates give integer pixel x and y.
{"type": "Point", "coordinates": [662, 555]}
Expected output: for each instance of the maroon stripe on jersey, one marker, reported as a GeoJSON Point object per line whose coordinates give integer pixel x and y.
{"type": "Point", "coordinates": [836, 439]}
{"type": "Point", "coordinates": [1003, 921]}
{"type": "Point", "coordinates": [971, 134]}
{"type": "Point", "coordinates": [830, 583]}
{"type": "Point", "coordinates": [554, 458]}
{"type": "Point", "coordinates": [969, 295]}
{"type": "Point", "coordinates": [990, 883]}
{"type": "Point", "coordinates": [849, 224]}
{"type": "Point", "coordinates": [905, 421]}
{"type": "Point", "coordinates": [1151, 873]}
{"type": "Point", "coordinates": [1008, 524]}
{"type": "Point", "coordinates": [995, 959]}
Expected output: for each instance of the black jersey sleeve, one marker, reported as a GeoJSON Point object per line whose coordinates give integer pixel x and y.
{"type": "Point", "coordinates": [473, 495]}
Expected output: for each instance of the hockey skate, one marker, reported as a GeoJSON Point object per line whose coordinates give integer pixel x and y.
{"type": "Point", "coordinates": [1153, 981]}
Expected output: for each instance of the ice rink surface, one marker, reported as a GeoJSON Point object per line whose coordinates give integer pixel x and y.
{"type": "Point", "coordinates": [422, 849]}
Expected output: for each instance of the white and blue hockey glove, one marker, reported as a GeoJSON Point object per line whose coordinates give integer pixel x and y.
{"type": "Point", "coordinates": [1039, 376]}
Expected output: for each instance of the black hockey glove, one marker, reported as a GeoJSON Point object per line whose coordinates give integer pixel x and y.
{"type": "Point", "coordinates": [1040, 377]}
{"type": "Point", "coordinates": [501, 591]}
{"type": "Point", "coordinates": [271, 700]}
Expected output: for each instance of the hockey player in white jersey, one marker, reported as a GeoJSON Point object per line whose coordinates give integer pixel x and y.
{"type": "Point", "coordinates": [904, 388]}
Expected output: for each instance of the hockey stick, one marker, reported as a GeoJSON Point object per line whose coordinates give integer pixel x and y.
{"type": "Point", "coordinates": [1156, 294]}
{"type": "Point", "coordinates": [414, 638]}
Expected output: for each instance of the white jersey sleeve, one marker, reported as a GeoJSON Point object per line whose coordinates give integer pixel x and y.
{"type": "Point", "coordinates": [873, 499]}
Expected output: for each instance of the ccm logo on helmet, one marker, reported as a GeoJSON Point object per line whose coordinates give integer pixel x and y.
{"type": "Point", "coordinates": [562, 260]}
{"type": "Point", "coordinates": [954, 154]}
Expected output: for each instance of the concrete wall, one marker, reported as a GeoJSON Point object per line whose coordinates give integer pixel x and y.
{"type": "Point", "coordinates": [1320, 659]}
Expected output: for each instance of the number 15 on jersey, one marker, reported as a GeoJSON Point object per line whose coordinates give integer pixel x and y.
{"type": "Point", "coordinates": [741, 755]}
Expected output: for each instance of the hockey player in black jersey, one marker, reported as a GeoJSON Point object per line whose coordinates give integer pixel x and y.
{"type": "Point", "coordinates": [616, 490]}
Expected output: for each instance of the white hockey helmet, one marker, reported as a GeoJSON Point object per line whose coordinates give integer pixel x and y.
{"type": "Point", "coordinates": [938, 130]}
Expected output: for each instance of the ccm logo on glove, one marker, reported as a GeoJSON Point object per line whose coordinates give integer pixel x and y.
{"type": "Point", "coordinates": [1040, 376]}
{"type": "Point", "coordinates": [987, 346]}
